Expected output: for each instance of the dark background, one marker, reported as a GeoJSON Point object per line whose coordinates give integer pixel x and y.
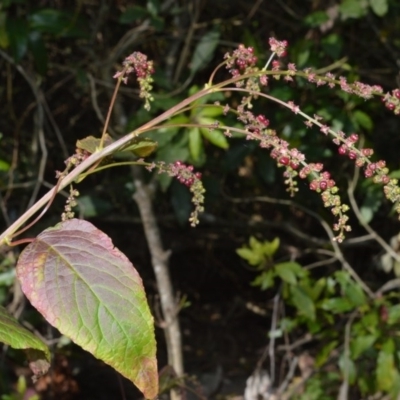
{"type": "Point", "coordinates": [70, 54]}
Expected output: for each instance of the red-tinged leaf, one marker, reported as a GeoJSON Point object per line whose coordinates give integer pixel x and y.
{"type": "Point", "coordinates": [18, 337]}
{"type": "Point", "coordinates": [90, 292]}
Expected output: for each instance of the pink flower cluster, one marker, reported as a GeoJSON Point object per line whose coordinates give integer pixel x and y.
{"type": "Point", "coordinates": [185, 175]}
{"type": "Point", "coordinates": [278, 47]}
{"type": "Point", "coordinates": [392, 101]}
{"type": "Point", "coordinates": [137, 62]}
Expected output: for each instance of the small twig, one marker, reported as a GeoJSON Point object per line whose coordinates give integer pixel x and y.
{"type": "Point", "coordinates": [93, 96]}
{"type": "Point", "coordinates": [392, 284]}
{"type": "Point", "coordinates": [300, 342]}
{"type": "Point", "coordinates": [270, 350]}
{"type": "Point", "coordinates": [39, 122]}
{"type": "Point", "coordinates": [344, 387]}
{"type": "Point", "coordinates": [42, 166]}
{"type": "Point", "coordinates": [271, 347]}
{"type": "Point", "coordinates": [188, 39]}
{"type": "Point", "coordinates": [288, 377]}
{"type": "Point", "coordinates": [367, 227]}
{"type": "Point", "coordinates": [159, 260]}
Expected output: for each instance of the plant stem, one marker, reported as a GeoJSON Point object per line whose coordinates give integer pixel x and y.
{"type": "Point", "coordinates": [159, 260]}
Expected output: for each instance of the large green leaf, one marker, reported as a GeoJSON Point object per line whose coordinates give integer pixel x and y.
{"type": "Point", "coordinates": [359, 344]}
{"type": "Point", "coordinates": [302, 302]}
{"type": "Point", "coordinates": [204, 51]}
{"type": "Point", "coordinates": [353, 8]}
{"type": "Point", "coordinates": [17, 31]}
{"type": "Point", "coordinates": [215, 136]}
{"type": "Point", "coordinates": [195, 143]}
{"type": "Point", "coordinates": [386, 371]}
{"type": "Point", "coordinates": [90, 291]}
{"type": "Point", "coordinates": [132, 14]}
{"type": "Point", "coordinates": [58, 22]}
{"type": "Point", "coordinates": [18, 337]}
{"type": "Point", "coordinates": [286, 273]}
{"type": "Point", "coordinates": [39, 52]}
{"type": "Point", "coordinates": [336, 305]}
{"type": "Point", "coordinates": [379, 7]}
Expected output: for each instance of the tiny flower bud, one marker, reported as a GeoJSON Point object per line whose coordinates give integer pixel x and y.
{"type": "Point", "coordinates": [314, 185]}
{"type": "Point", "coordinates": [353, 137]}
{"type": "Point", "coordinates": [284, 160]}
{"type": "Point", "coordinates": [352, 155]}
{"type": "Point", "coordinates": [323, 185]}
{"type": "Point", "coordinates": [342, 150]}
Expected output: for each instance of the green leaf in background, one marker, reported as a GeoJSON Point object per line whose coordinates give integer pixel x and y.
{"type": "Point", "coordinates": [325, 352]}
{"type": "Point", "coordinates": [256, 245]}
{"type": "Point", "coordinates": [16, 336]}
{"type": "Point", "coordinates": [215, 136]}
{"type": "Point", "coordinates": [39, 52]}
{"type": "Point", "coordinates": [359, 344]}
{"type": "Point", "coordinates": [4, 165]}
{"type": "Point", "coordinates": [165, 134]}
{"type": "Point", "coordinates": [379, 7]}
{"type": "Point", "coordinates": [352, 290]}
{"type": "Point", "coordinates": [317, 289]}
{"type": "Point", "coordinates": [204, 51]}
{"type": "Point", "coordinates": [90, 292]}
{"type": "Point", "coordinates": [289, 271]}
{"type": "Point", "coordinates": [370, 205]}
{"type": "Point", "coordinates": [265, 280]}
{"type": "Point", "coordinates": [92, 206]}
{"type": "Point", "coordinates": [332, 45]}
{"type": "Point", "coordinates": [386, 371]}
{"type": "Point", "coordinates": [91, 144]}
{"type": "Point", "coordinates": [157, 23]}
{"type": "Point", "coordinates": [336, 305]}
{"type": "Point", "coordinates": [17, 30]}
{"type": "Point", "coordinates": [353, 8]}
{"type": "Point", "coordinates": [195, 143]}
{"type": "Point", "coordinates": [140, 146]}
{"type": "Point", "coordinates": [394, 314]}
{"type": "Point", "coordinates": [270, 248]}
{"type": "Point", "coordinates": [132, 14]}
{"type": "Point", "coordinates": [356, 295]}
{"type": "Point", "coordinates": [302, 302]}
{"type": "Point", "coordinates": [252, 257]}
{"type": "Point", "coordinates": [153, 6]}
{"type": "Point", "coordinates": [211, 111]}
{"type": "Point", "coordinates": [173, 152]}
{"type": "Point", "coordinates": [59, 23]}
{"type": "Point", "coordinates": [316, 19]}
{"type": "Point", "coordinates": [286, 274]}
{"type": "Point", "coordinates": [362, 120]}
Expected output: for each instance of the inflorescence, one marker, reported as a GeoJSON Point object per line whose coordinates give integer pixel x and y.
{"type": "Point", "coordinates": [251, 80]}
{"type": "Point", "coordinates": [241, 64]}
{"type": "Point", "coordinates": [143, 69]}
{"type": "Point", "coordinates": [185, 175]}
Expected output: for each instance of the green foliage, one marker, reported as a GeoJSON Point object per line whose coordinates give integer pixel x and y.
{"type": "Point", "coordinates": [15, 335]}
{"type": "Point", "coordinates": [90, 292]}
{"type": "Point", "coordinates": [22, 392]}
{"type": "Point", "coordinates": [318, 303]}
{"type": "Point", "coordinates": [321, 304]}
